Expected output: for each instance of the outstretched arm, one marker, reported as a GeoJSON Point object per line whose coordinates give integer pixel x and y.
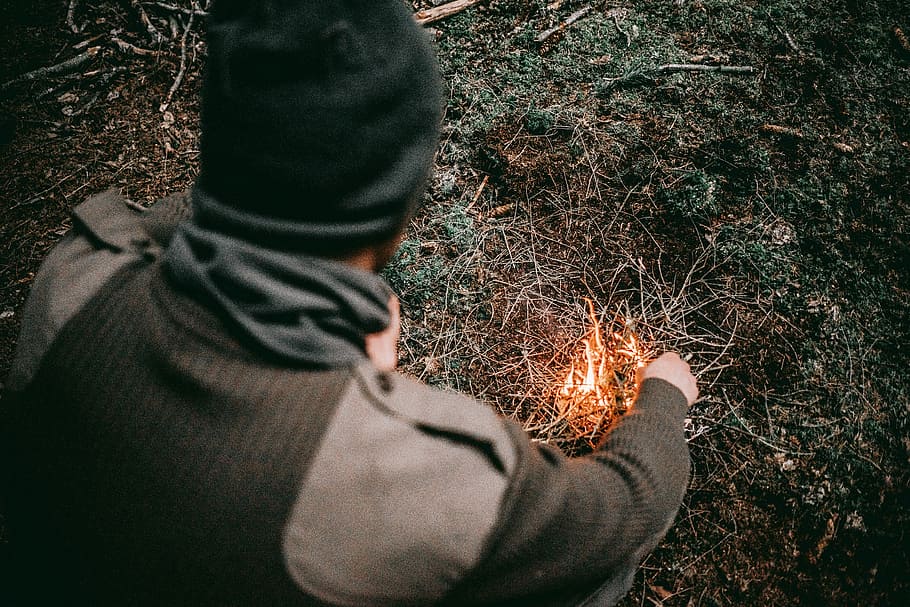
{"type": "Point", "coordinates": [567, 526]}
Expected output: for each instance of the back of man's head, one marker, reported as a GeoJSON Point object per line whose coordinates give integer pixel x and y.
{"type": "Point", "coordinates": [322, 113]}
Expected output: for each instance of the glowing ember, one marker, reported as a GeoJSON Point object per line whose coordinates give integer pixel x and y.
{"type": "Point", "coordinates": [601, 383]}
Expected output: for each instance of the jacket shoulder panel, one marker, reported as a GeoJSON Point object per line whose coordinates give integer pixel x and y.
{"type": "Point", "coordinates": [401, 497]}
{"type": "Point", "coordinates": [101, 243]}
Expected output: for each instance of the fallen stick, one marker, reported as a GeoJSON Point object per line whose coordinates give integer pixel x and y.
{"type": "Point", "coordinates": [87, 41]}
{"type": "Point", "coordinates": [615, 13]}
{"type": "Point", "coordinates": [180, 9]}
{"type": "Point", "coordinates": [671, 68]}
{"type": "Point", "coordinates": [542, 37]}
{"type": "Point", "coordinates": [431, 15]}
{"type": "Point", "coordinates": [776, 129]}
{"type": "Point", "coordinates": [786, 35]}
{"type": "Point", "coordinates": [126, 47]}
{"type": "Point", "coordinates": [71, 17]}
{"type": "Point", "coordinates": [180, 73]}
{"type": "Point", "coordinates": [144, 18]}
{"type": "Point", "coordinates": [64, 67]}
{"type": "Point", "coordinates": [483, 184]}
{"type": "Point", "coordinates": [70, 79]}
{"type": "Point", "coordinates": [901, 38]}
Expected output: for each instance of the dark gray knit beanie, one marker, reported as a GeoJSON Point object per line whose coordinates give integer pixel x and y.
{"type": "Point", "coordinates": [321, 113]}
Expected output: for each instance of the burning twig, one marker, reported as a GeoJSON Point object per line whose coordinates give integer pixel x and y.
{"type": "Point", "coordinates": [602, 381]}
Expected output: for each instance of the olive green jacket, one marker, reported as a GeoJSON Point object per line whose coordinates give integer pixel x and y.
{"type": "Point", "coordinates": [188, 467]}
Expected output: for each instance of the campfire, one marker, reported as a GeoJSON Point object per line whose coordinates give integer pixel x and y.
{"type": "Point", "coordinates": [601, 382]}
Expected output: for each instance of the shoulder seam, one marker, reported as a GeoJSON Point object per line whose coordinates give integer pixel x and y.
{"type": "Point", "coordinates": [484, 447]}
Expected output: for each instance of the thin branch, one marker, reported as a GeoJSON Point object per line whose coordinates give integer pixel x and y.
{"type": "Point", "coordinates": [642, 76]}
{"type": "Point", "coordinates": [87, 41]}
{"type": "Point", "coordinates": [542, 37]}
{"type": "Point", "coordinates": [65, 67]}
{"type": "Point", "coordinates": [431, 15]}
{"type": "Point", "coordinates": [182, 71]}
{"type": "Point", "coordinates": [615, 13]}
{"type": "Point", "coordinates": [132, 49]}
{"type": "Point", "coordinates": [786, 35]}
{"type": "Point", "coordinates": [901, 38]}
{"type": "Point", "coordinates": [180, 9]}
{"type": "Point", "coordinates": [483, 184]}
{"type": "Point", "coordinates": [71, 17]}
{"type": "Point", "coordinates": [776, 129]}
{"type": "Point", "coordinates": [144, 18]}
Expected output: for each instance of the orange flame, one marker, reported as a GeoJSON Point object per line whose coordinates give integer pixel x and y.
{"type": "Point", "coordinates": [602, 382]}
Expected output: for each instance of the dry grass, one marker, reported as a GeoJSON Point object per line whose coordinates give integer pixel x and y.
{"type": "Point", "coordinates": [515, 316]}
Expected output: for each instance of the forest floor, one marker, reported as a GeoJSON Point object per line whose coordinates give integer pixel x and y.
{"type": "Point", "coordinates": [757, 220]}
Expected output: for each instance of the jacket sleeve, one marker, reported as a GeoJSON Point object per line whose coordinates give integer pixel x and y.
{"type": "Point", "coordinates": [570, 525]}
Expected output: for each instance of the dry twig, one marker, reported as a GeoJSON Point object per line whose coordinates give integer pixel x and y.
{"type": "Point", "coordinates": [181, 9]}
{"type": "Point", "coordinates": [542, 37]}
{"type": "Point", "coordinates": [87, 41]}
{"type": "Point", "coordinates": [144, 18]}
{"type": "Point", "coordinates": [182, 71]}
{"type": "Point", "coordinates": [71, 17]}
{"type": "Point", "coordinates": [642, 76]}
{"type": "Point", "coordinates": [901, 38]}
{"type": "Point", "coordinates": [616, 13]}
{"type": "Point", "coordinates": [431, 15]}
{"type": "Point", "coordinates": [776, 129]}
{"type": "Point", "coordinates": [126, 47]}
{"type": "Point", "coordinates": [483, 184]}
{"type": "Point", "coordinates": [64, 67]}
{"type": "Point", "coordinates": [786, 35]}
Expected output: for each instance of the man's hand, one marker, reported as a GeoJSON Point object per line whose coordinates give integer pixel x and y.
{"type": "Point", "coordinates": [382, 347]}
{"type": "Point", "coordinates": [671, 368]}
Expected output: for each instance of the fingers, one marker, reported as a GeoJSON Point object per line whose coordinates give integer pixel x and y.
{"type": "Point", "coordinates": [382, 347]}
{"type": "Point", "coordinates": [673, 369]}
{"type": "Point", "coordinates": [395, 312]}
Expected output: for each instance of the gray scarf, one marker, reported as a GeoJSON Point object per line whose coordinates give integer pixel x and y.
{"type": "Point", "coordinates": [312, 311]}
